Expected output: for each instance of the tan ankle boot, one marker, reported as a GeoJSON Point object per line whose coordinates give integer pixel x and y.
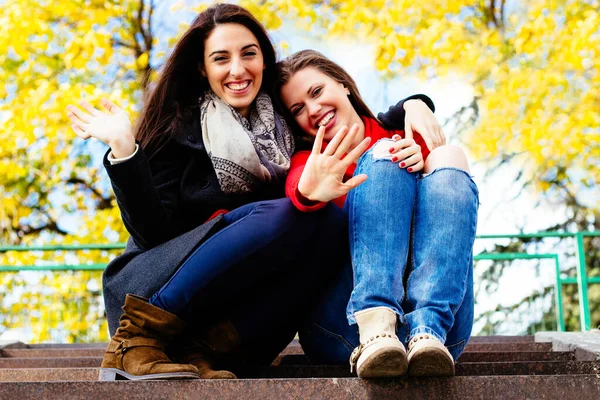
{"type": "Point", "coordinates": [427, 356]}
{"type": "Point", "coordinates": [137, 350]}
{"type": "Point", "coordinates": [380, 353]}
{"type": "Point", "coordinates": [208, 348]}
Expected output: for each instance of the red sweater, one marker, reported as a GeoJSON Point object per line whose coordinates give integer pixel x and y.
{"type": "Point", "coordinates": [298, 162]}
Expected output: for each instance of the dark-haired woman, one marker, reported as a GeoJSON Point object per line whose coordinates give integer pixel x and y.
{"type": "Point", "coordinates": [228, 264]}
{"type": "Point", "coordinates": [411, 234]}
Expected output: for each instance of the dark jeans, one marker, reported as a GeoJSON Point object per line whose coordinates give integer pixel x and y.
{"type": "Point", "coordinates": [264, 270]}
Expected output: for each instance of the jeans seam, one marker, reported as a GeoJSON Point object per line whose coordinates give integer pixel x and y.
{"type": "Point", "coordinates": [334, 336]}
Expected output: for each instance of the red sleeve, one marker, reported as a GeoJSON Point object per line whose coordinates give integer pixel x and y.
{"type": "Point", "coordinates": [291, 184]}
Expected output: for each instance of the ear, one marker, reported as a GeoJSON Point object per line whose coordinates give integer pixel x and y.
{"type": "Point", "coordinates": [264, 66]}
{"type": "Point", "coordinates": [201, 69]}
{"type": "Point", "coordinates": [347, 90]}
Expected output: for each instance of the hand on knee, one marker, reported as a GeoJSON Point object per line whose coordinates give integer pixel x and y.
{"type": "Point", "coordinates": [446, 156]}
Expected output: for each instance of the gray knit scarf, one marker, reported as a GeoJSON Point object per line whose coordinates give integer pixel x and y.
{"type": "Point", "coordinates": [245, 152]}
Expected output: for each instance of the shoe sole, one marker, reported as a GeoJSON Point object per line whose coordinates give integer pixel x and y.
{"type": "Point", "coordinates": [113, 374]}
{"type": "Point", "coordinates": [384, 363]}
{"type": "Point", "coordinates": [430, 362]}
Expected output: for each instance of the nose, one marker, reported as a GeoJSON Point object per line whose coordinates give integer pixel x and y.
{"type": "Point", "coordinates": [237, 68]}
{"type": "Point", "coordinates": [313, 108]}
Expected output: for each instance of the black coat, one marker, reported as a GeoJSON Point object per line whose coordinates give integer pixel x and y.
{"type": "Point", "coordinates": [164, 204]}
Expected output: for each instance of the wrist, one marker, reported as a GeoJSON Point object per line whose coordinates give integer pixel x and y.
{"type": "Point", "coordinates": [122, 147]}
{"type": "Point", "coordinates": [305, 200]}
{"type": "Point", "coordinates": [411, 102]}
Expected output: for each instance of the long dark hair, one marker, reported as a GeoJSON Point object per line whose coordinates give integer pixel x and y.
{"type": "Point", "coordinates": [181, 84]}
{"type": "Point", "coordinates": [287, 67]}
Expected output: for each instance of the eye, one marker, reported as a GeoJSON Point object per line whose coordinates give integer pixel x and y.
{"type": "Point", "coordinates": [297, 110]}
{"type": "Point", "coordinates": [317, 91]}
{"type": "Point", "coordinates": [249, 54]}
{"type": "Point", "coordinates": [219, 58]}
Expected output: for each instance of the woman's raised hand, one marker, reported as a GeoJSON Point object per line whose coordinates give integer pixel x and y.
{"type": "Point", "coordinates": [323, 175]}
{"type": "Point", "coordinates": [112, 127]}
{"type": "Point", "coordinates": [419, 118]}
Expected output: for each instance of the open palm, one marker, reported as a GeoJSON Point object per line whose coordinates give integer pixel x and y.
{"type": "Point", "coordinates": [323, 175]}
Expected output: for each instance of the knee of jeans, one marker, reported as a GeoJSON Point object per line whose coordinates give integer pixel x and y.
{"type": "Point", "coordinates": [281, 211]}
{"type": "Point", "coordinates": [450, 184]}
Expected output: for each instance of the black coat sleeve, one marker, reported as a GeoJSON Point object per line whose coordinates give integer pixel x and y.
{"type": "Point", "coordinates": [147, 194]}
{"type": "Point", "coordinates": [394, 117]}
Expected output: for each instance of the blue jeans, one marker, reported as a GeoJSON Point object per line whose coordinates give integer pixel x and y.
{"type": "Point", "coordinates": [258, 272]}
{"type": "Point", "coordinates": [411, 241]}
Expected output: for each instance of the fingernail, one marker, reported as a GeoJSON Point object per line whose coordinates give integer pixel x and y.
{"type": "Point", "coordinates": [402, 164]}
{"type": "Point", "coordinates": [410, 170]}
{"type": "Point", "coordinates": [394, 159]}
{"type": "Point", "coordinates": [391, 150]}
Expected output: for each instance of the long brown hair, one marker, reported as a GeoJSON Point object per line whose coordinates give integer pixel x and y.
{"type": "Point", "coordinates": [181, 84]}
{"type": "Point", "coordinates": [287, 67]}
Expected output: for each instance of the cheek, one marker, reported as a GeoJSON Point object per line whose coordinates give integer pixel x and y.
{"type": "Point", "coordinates": [302, 121]}
{"type": "Point", "coordinates": [215, 75]}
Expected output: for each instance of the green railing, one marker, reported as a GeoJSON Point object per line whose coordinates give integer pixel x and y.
{"type": "Point", "coordinates": [582, 280]}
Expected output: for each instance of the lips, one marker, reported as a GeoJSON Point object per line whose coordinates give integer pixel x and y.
{"type": "Point", "coordinates": [239, 86]}
{"type": "Point", "coordinates": [325, 119]}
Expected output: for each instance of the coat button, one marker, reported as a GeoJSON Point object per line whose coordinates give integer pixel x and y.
{"type": "Point", "coordinates": [192, 138]}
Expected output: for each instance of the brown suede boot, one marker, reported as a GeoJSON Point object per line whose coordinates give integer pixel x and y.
{"type": "Point", "coordinates": [137, 350]}
{"type": "Point", "coordinates": [217, 343]}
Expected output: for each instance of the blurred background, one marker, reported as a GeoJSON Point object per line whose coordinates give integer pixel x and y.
{"type": "Point", "coordinates": [517, 84]}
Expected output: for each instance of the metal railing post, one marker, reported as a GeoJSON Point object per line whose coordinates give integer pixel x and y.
{"type": "Point", "coordinates": [560, 313]}
{"type": "Point", "coordinates": [582, 283]}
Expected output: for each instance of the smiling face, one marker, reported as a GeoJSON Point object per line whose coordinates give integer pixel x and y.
{"type": "Point", "coordinates": [233, 65]}
{"type": "Point", "coordinates": [315, 99]}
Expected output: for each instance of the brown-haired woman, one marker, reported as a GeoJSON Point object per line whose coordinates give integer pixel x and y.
{"type": "Point", "coordinates": [400, 222]}
{"type": "Point", "coordinates": [225, 259]}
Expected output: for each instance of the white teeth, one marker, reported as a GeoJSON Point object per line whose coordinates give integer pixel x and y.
{"type": "Point", "coordinates": [238, 86]}
{"type": "Point", "coordinates": [326, 118]}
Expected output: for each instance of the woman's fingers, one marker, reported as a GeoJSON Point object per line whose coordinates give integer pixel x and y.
{"type": "Point", "coordinates": [406, 152]}
{"type": "Point", "coordinates": [417, 167]}
{"type": "Point", "coordinates": [411, 161]}
{"type": "Point", "coordinates": [402, 144]}
{"type": "Point", "coordinates": [335, 142]}
{"type": "Point", "coordinates": [316, 149]}
{"type": "Point", "coordinates": [354, 182]}
{"type": "Point", "coordinates": [80, 132]}
{"type": "Point", "coordinates": [83, 116]}
{"type": "Point", "coordinates": [347, 142]}
{"type": "Point", "coordinates": [355, 154]}
{"type": "Point", "coordinates": [110, 106]}
{"type": "Point", "coordinates": [88, 107]}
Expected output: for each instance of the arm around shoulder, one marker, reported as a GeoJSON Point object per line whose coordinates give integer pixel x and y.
{"type": "Point", "coordinates": [394, 117]}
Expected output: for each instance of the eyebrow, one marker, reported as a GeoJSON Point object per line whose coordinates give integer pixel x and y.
{"type": "Point", "coordinates": [310, 89]}
{"type": "Point", "coordinates": [246, 47]}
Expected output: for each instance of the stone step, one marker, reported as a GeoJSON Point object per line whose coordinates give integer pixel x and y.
{"type": "Point", "coordinates": [322, 371]}
{"type": "Point", "coordinates": [464, 369]}
{"type": "Point", "coordinates": [464, 388]}
{"type": "Point", "coordinates": [289, 359]}
{"type": "Point", "coordinates": [502, 339]}
{"type": "Point", "coordinates": [472, 340]}
{"type": "Point", "coordinates": [476, 356]}
{"type": "Point", "coordinates": [48, 362]}
{"type": "Point", "coordinates": [506, 356]}
{"type": "Point", "coordinates": [509, 346]}
{"type": "Point", "coordinates": [291, 349]}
